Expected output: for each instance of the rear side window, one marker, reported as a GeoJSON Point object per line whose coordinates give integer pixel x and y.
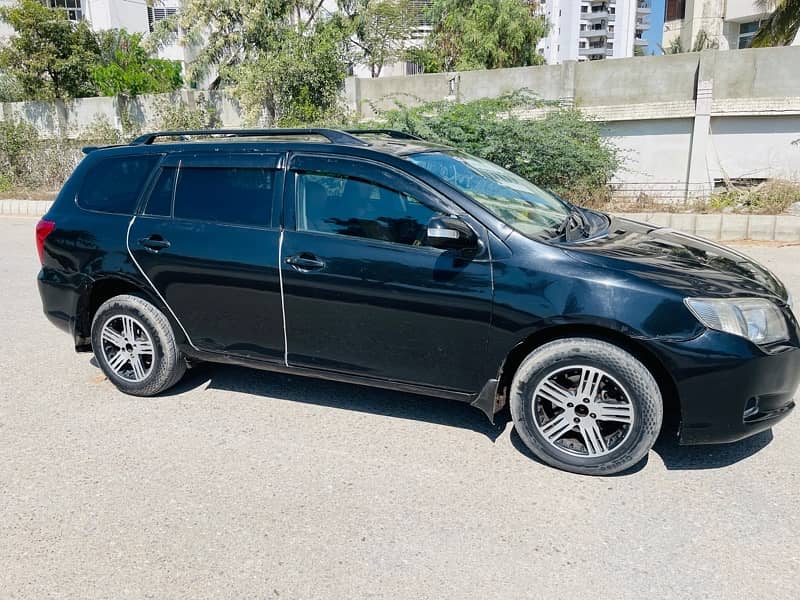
{"type": "Point", "coordinates": [113, 185]}
{"type": "Point", "coordinates": [232, 195]}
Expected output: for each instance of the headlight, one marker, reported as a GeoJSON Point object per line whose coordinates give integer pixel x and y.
{"type": "Point", "coordinates": [759, 320]}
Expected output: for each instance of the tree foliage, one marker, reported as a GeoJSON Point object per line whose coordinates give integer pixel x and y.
{"type": "Point", "coordinates": [781, 27]}
{"type": "Point", "coordinates": [561, 150]}
{"type": "Point", "coordinates": [280, 57]}
{"type": "Point", "coordinates": [380, 30]}
{"type": "Point", "coordinates": [49, 56]}
{"type": "Point", "coordinates": [125, 67]}
{"type": "Point", "coordinates": [484, 34]}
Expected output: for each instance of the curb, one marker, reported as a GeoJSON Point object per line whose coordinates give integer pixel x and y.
{"type": "Point", "coordinates": [24, 208]}
{"type": "Point", "coordinates": [778, 228]}
{"type": "Point", "coordinates": [767, 228]}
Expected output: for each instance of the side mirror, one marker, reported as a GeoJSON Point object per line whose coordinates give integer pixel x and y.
{"type": "Point", "coordinates": [451, 233]}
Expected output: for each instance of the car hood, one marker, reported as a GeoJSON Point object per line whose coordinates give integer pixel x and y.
{"type": "Point", "coordinates": [682, 262]}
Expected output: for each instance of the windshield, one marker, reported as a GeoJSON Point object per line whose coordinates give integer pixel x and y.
{"type": "Point", "coordinates": [520, 204]}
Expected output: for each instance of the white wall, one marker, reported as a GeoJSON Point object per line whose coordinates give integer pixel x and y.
{"type": "Point", "coordinates": [742, 10]}
{"type": "Point", "coordinates": [117, 14]}
{"type": "Point", "coordinates": [655, 155]}
{"type": "Point", "coordinates": [757, 147]}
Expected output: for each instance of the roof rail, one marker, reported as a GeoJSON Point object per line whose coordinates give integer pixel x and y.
{"type": "Point", "coordinates": [332, 135]}
{"type": "Point", "coordinates": [392, 133]}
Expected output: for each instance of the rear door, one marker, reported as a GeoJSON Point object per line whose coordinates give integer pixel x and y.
{"type": "Point", "coordinates": [205, 240]}
{"type": "Point", "coordinates": [364, 294]}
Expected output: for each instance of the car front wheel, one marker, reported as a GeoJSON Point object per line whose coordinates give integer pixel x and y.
{"type": "Point", "coordinates": [586, 406]}
{"type": "Point", "coordinates": [135, 347]}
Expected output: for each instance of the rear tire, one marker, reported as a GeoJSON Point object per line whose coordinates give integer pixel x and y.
{"type": "Point", "coordinates": [586, 406]}
{"type": "Point", "coordinates": [135, 346]}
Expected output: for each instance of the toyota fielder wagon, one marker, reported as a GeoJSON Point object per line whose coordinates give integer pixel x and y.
{"type": "Point", "coordinates": [376, 258]}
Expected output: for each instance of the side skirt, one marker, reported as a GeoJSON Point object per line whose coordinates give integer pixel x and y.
{"type": "Point", "coordinates": [481, 400]}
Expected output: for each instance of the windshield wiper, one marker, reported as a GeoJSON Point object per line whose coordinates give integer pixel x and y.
{"type": "Point", "coordinates": [574, 221]}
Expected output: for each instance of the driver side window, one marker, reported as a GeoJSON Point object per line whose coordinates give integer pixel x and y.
{"type": "Point", "coordinates": [342, 205]}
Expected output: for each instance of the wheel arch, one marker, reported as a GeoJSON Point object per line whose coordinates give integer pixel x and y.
{"type": "Point", "coordinates": [100, 289]}
{"type": "Point", "coordinates": [665, 381]}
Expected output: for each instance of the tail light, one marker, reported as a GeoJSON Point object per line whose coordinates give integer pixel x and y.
{"type": "Point", "coordinates": [43, 229]}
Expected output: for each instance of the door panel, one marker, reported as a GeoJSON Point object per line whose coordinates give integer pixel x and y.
{"type": "Point", "coordinates": [372, 307]}
{"type": "Point", "coordinates": [221, 281]}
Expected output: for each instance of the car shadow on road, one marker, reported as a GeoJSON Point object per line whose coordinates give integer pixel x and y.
{"type": "Point", "coordinates": [403, 405]}
{"type": "Point", "coordinates": [711, 456]}
{"type": "Point", "coordinates": [334, 394]}
{"type": "Point", "coordinates": [683, 458]}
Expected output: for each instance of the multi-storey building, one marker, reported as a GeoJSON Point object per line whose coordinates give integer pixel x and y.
{"type": "Point", "coordinates": [726, 24]}
{"type": "Point", "coordinates": [134, 15]}
{"type": "Point", "coordinates": [594, 29]}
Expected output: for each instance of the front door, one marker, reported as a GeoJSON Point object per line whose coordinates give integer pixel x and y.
{"type": "Point", "coordinates": [364, 294]}
{"type": "Point", "coordinates": [206, 242]}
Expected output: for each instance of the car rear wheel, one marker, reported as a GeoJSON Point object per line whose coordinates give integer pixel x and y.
{"type": "Point", "coordinates": [586, 406]}
{"type": "Point", "coordinates": [135, 346]}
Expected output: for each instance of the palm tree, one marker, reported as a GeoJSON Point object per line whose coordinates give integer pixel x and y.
{"type": "Point", "coordinates": [780, 27]}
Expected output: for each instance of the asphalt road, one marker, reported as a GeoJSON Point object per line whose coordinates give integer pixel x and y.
{"type": "Point", "coordinates": [248, 484]}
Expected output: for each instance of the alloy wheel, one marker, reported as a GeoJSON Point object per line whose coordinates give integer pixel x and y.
{"type": "Point", "coordinates": [127, 348]}
{"type": "Point", "coordinates": [582, 411]}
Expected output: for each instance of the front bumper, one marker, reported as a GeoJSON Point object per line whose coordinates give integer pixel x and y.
{"type": "Point", "coordinates": [728, 388]}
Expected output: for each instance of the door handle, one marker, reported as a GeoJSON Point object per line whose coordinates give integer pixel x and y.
{"type": "Point", "coordinates": [305, 262]}
{"type": "Point", "coordinates": [154, 243]}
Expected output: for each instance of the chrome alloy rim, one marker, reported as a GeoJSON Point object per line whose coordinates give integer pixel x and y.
{"type": "Point", "coordinates": [127, 348]}
{"type": "Point", "coordinates": [582, 411]}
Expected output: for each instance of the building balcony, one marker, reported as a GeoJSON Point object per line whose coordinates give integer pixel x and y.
{"type": "Point", "coordinates": [592, 51]}
{"type": "Point", "coordinates": [594, 15]}
{"type": "Point", "coordinates": [640, 42]}
{"type": "Point", "coordinates": [643, 9]}
{"type": "Point", "coordinates": [594, 33]}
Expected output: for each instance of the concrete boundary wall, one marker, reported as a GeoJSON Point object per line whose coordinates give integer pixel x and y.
{"type": "Point", "coordinates": [782, 228]}
{"type": "Point", "coordinates": [683, 123]}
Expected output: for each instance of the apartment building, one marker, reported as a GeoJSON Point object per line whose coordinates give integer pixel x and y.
{"type": "Point", "coordinates": [594, 29]}
{"type": "Point", "coordinates": [134, 15]}
{"type": "Point", "coordinates": [728, 24]}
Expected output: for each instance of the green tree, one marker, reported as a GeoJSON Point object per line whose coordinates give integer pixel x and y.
{"type": "Point", "coordinates": [280, 57]}
{"type": "Point", "coordinates": [380, 30]}
{"type": "Point", "coordinates": [562, 150]}
{"type": "Point", "coordinates": [781, 26]}
{"type": "Point", "coordinates": [485, 34]}
{"type": "Point", "coordinates": [48, 55]}
{"type": "Point", "coordinates": [127, 68]}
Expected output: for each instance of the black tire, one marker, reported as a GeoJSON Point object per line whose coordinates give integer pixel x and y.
{"type": "Point", "coordinates": [636, 380]}
{"type": "Point", "coordinates": [168, 364]}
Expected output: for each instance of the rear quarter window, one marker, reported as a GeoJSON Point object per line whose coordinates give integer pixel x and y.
{"type": "Point", "coordinates": [113, 185]}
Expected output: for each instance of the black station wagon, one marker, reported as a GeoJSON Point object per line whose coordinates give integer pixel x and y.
{"type": "Point", "coordinates": [377, 258]}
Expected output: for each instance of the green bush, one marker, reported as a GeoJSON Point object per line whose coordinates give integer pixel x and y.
{"type": "Point", "coordinates": [558, 148]}
{"type": "Point", "coordinates": [175, 115]}
{"type": "Point", "coordinates": [17, 139]}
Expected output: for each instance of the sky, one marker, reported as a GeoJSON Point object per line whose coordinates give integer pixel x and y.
{"type": "Point", "coordinates": [653, 35]}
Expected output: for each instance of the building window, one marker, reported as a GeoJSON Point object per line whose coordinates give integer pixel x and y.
{"type": "Point", "coordinates": [584, 9]}
{"type": "Point", "coordinates": [675, 9]}
{"type": "Point", "coordinates": [155, 14]}
{"type": "Point", "coordinates": [746, 33]}
{"type": "Point", "coordinates": [71, 7]}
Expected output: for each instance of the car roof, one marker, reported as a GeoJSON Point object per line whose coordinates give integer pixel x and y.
{"type": "Point", "coordinates": [384, 141]}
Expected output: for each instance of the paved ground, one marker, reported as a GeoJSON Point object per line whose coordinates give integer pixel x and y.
{"type": "Point", "coordinates": [249, 484]}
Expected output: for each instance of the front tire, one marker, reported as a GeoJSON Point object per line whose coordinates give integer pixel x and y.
{"type": "Point", "coordinates": [135, 346]}
{"type": "Point", "coordinates": [586, 406]}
